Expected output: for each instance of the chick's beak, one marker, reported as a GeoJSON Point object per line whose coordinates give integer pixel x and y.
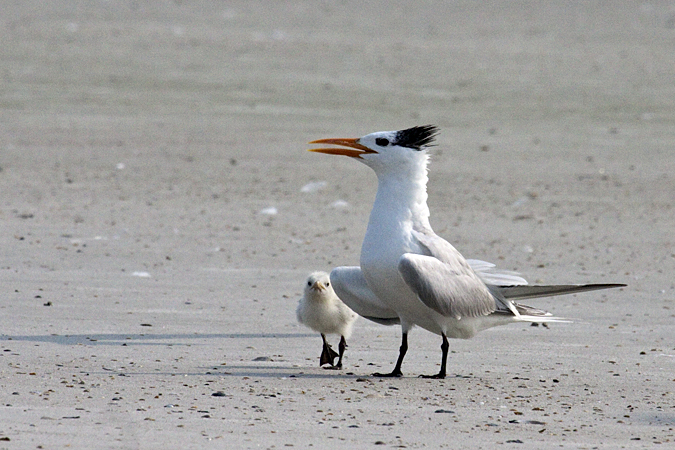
{"type": "Point", "coordinates": [318, 286]}
{"type": "Point", "coordinates": [355, 149]}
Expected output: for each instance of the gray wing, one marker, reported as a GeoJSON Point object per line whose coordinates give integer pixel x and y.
{"type": "Point", "coordinates": [489, 276]}
{"type": "Point", "coordinates": [451, 289]}
{"type": "Point", "coordinates": [504, 285]}
{"type": "Point", "coordinates": [350, 285]}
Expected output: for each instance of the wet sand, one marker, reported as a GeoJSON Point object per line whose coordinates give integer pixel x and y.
{"type": "Point", "coordinates": [156, 234]}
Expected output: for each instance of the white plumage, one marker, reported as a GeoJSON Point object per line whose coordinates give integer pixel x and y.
{"type": "Point", "coordinates": [322, 310]}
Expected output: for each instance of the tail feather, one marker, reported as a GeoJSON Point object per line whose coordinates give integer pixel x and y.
{"type": "Point", "coordinates": [529, 314]}
{"type": "Point", "coordinates": [527, 291]}
{"type": "Point", "coordinates": [525, 310]}
{"type": "Point", "coordinates": [542, 319]}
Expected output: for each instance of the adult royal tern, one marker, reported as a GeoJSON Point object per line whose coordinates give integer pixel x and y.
{"type": "Point", "coordinates": [321, 310]}
{"type": "Point", "coordinates": [410, 275]}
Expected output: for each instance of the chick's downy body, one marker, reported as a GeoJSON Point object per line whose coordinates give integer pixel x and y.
{"type": "Point", "coordinates": [322, 310]}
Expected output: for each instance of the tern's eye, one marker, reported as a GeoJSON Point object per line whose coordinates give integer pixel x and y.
{"type": "Point", "coordinates": [382, 142]}
{"type": "Point", "coordinates": [327, 283]}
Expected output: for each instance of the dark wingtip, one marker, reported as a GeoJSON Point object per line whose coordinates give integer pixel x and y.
{"type": "Point", "coordinates": [417, 137]}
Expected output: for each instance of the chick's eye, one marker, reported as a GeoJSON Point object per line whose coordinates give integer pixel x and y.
{"type": "Point", "coordinates": [328, 284]}
{"type": "Point", "coordinates": [382, 142]}
{"type": "Point", "coordinates": [309, 283]}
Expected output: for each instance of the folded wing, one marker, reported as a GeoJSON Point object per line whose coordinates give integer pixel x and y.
{"type": "Point", "coordinates": [452, 290]}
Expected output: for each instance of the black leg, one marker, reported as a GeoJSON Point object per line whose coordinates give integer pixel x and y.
{"type": "Point", "coordinates": [328, 355]}
{"type": "Point", "coordinates": [341, 347]}
{"type": "Point", "coordinates": [401, 353]}
{"type": "Point", "coordinates": [444, 359]}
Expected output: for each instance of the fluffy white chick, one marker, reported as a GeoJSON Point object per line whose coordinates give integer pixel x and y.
{"type": "Point", "coordinates": [322, 310]}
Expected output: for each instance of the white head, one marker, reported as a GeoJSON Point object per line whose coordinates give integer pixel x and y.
{"type": "Point", "coordinates": [386, 151]}
{"type": "Point", "coordinates": [318, 285]}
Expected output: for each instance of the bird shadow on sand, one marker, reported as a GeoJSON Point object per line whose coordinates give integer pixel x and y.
{"type": "Point", "coordinates": [276, 370]}
{"type": "Point", "coordinates": [252, 372]}
{"type": "Point", "coordinates": [144, 338]}
{"type": "Point", "coordinates": [284, 371]}
{"type": "Point", "coordinates": [267, 368]}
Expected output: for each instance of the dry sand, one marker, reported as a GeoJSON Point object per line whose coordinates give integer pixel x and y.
{"type": "Point", "coordinates": [140, 142]}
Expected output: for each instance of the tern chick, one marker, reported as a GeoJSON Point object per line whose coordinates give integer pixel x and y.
{"type": "Point", "coordinates": [322, 310]}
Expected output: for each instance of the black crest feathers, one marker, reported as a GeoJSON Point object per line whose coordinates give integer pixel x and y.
{"type": "Point", "coordinates": [417, 137]}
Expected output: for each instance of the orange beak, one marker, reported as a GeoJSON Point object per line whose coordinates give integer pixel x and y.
{"type": "Point", "coordinates": [355, 149]}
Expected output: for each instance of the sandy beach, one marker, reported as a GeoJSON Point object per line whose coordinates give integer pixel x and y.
{"type": "Point", "coordinates": [159, 214]}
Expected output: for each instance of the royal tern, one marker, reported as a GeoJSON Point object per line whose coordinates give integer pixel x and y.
{"type": "Point", "coordinates": [321, 310]}
{"type": "Point", "coordinates": [411, 276]}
